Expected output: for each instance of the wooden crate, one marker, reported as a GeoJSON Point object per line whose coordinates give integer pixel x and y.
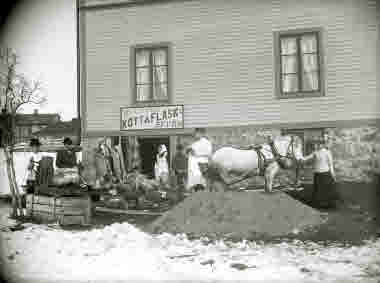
{"type": "Point", "coordinates": [65, 210]}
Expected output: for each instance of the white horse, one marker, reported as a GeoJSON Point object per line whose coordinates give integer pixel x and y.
{"type": "Point", "coordinates": [266, 159]}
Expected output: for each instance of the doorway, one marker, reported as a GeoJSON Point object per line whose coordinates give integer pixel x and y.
{"type": "Point", "coordinates": [148, 147]}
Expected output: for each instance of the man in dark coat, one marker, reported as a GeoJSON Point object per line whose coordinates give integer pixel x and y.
{"type": "Point", "coordinates": [66, 158]}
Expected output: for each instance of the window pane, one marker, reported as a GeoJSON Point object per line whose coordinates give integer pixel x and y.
{"type": "Point", "coordinates": [143, 92]}
{"type": "Point", "coordinates": [309, 43]}
{"type": "Point", "coordinates": [142, 76]}
{"type": "Point", "coordinates": [310, 62]}
{"type": "Point", "coordinates": [159, 57]}
{"type": "Point", "coordinates": [288, 46]}
{"type": "Point", "coordinates": [289, 64]}
{"type": "Point", "coordinates": [142, 58]}
{"type": "Point", "coordinates": [160, 75]}
{"type": "Point", "coordinates": [289, 83]}
{"type": "Point", "coordinates": [160, 91]}
{"type": "Point", "coordinates": [310, 81]}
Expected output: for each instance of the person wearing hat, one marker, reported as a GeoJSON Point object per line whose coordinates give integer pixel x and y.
{"type": "Point", "coordinates": [66, 158]}
{"type": "Point", "coordinates": [33, 165]}
{"type": "Point", "coordinates": [324, 191]}
{"type": "Point", "coordinates": [67, 167]}
{"type": "Point", "coordinates": [161, 167]}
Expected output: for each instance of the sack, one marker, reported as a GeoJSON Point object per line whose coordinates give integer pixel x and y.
{"type": "Point", "coordinates": [65, 176]}
{"type": "Point", "coordinates": [285, 163]}
{"type": "Point", "coordinates": [45, 171]}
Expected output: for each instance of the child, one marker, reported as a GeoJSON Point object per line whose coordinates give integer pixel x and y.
{"type": "Point", "coordinates": [33, 165]}
{"type": "Point", "coordinates": [180, 165]}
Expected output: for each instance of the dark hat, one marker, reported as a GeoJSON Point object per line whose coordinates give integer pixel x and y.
{"type": "Point", "coordinates": [34, 142]}
{"type": "Point", "coordinates": [67, 141]}
{"type": "Point", "coordinates": [200, 130]}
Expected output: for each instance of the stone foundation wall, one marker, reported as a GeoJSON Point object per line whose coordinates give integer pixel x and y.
{"type": "Point", "coordinates": [351, 149]}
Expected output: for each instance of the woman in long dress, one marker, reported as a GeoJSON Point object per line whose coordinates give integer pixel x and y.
{"type": "Point", "coordinates": [33, 165]}
{"type": "Point", "coordinates": [324, 193]}
{"type": "Point", "coordinates": [199, 154]}
{"type": "Point", "coordinates": [161, 167]}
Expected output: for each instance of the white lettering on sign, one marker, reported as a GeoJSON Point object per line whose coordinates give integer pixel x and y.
{"type": "Point", "coordinates": [153, 117]}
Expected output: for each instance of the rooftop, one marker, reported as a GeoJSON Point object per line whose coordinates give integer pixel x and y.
{"type": "Point", "coordinates": [37, 119]}
{"type": "Point", "coordinates": [108, 3]}
{"type": "Point", "coordinates": [60, 129]}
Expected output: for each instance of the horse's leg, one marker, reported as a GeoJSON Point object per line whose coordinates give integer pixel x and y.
{"type": "Point", "coordinates": [225, 176]}
{"type": "Point", "coordinates": [270, 173]}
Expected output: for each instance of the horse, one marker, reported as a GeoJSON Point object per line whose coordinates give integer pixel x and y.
{"type": "Point", "coordinates": [266, 159]}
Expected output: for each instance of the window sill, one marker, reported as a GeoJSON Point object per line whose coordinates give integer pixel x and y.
{"type": "Point", "coordinates": [300, 95]}
{"type": "Point", "coordinates": [151, 103]}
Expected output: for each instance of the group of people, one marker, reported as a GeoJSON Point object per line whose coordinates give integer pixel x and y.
{"type": "Point", "coordinates": [66, 162]}
{"type": "Point", "coordinates": [187, 162]}
{"type": "Point", "coordinates": [187, 167]}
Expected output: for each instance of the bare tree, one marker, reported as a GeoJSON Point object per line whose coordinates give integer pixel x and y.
{"type": "Point", "coordinates": [19, 91]}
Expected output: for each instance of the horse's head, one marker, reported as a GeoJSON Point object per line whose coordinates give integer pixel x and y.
{"type": "Point", "coordinates": [297, 148]}
{"type": "Point", "coordinates": [290, 149]}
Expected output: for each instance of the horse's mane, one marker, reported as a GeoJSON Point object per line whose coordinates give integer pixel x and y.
{"type": "Point", "coordinates": [287, 138]}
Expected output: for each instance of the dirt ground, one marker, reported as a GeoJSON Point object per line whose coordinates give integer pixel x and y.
{"type": "Point", "coordinates": [357, 220]}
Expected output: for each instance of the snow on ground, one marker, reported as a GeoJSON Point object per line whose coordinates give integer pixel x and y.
{"type": "Point", "coordinates": [121, 251]}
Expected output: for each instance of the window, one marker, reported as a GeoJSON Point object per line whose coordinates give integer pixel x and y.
{"type": "Point", "coordinates": [299, 63]}
{"type": "Point", "coordinates": [308, 136]}
{"type": "Point", "coordinates": [151, 73]}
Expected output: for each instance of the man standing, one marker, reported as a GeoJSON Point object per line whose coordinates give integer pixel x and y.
{"type": "Point", "coordinates": [375, 166]}
{"type": "Point", "coordinates": [180, 165]}
{"type": "Point", "coordinates": [67, 166]}
{"type": "Point", "coordinates": [199, 153]}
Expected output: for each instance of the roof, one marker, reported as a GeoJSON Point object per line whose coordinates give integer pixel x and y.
{"type": "Point", "coordinates": [60, 129]}
{"type": "Point", "coordinates": [109, 3]}
{"type": "Point", "coordinates": [37, 119]}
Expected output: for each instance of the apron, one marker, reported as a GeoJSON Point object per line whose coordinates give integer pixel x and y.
{"type": "Point", "coordinates": [202, 149]}
{"type": "Point", "coordinates": [195, 176]}
{"type": "Point", "coordinates": [161, 168]}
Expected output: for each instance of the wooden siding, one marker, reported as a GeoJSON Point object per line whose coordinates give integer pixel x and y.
{"type": "Point", "coordinates": [223, 62]}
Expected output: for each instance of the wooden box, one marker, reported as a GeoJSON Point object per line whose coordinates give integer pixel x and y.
{"type": "Point", "coordinates": [65, 210]}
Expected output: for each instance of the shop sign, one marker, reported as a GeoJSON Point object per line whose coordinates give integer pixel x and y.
{"type": "Point", "coordinates": [151, 117]}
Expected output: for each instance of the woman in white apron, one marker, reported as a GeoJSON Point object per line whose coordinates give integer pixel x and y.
{"type": "Point", "coordinates": [199, 152]}
{"type": "Point", "coordinates": [161, 167]}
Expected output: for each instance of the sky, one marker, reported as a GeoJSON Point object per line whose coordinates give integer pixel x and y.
{"type": "Point", "coordinates": [43, 35]}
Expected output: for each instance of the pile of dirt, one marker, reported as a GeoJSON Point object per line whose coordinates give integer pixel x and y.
{"type": "Point", "coordinates": [237, 215]}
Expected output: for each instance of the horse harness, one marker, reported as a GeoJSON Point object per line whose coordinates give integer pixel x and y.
{"type": "Point", "coordinates": [263, 162]}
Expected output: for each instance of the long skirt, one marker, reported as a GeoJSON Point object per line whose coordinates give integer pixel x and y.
{"type": "Point", "coordinates": [325, 194]}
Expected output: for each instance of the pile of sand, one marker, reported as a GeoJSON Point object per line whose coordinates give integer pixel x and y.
{"type": "Point", "coordinates": [237, 215]}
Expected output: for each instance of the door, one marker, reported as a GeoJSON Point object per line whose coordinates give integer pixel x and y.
{"type": "Point", "coordinates": [148, 149]}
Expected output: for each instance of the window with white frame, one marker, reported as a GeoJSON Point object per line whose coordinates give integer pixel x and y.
{"type": "Point", "coordinates": [298, 63]}
{"type": "Point", "coordinates": [151, 74]}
